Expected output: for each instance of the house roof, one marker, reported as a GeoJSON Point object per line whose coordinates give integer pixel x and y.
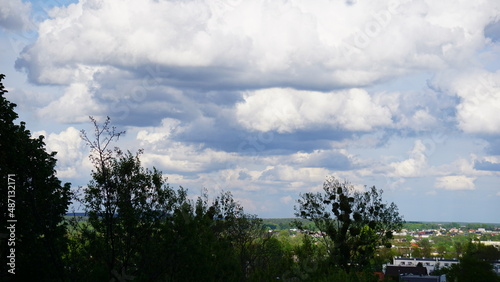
{"type": "Point", "coordinates": [412, 278]}
{"type": "Point", "coordinates": [398, 270]}
{"type": "Point", "coordinates": [425, 259]}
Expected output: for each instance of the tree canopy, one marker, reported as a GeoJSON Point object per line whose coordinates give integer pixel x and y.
{"type": "Point", "coordinates": [475, 264]}
{"type": "Point", "coordinates": [140, 228]}
{"type": "Point", "coordinates": [41, 200]}
{"type": "Point", "coordinates": [354, 223]}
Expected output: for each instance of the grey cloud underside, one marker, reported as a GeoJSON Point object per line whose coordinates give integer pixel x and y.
{"type": "Point", "coordinates": [14, 15]}
{"type": "Point", "coordinates": [242, 78]}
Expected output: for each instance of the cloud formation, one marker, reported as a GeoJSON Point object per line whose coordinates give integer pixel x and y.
{"type": "Point", "coordinates": [15, 15]}
{"type": "Point", "coordinates": [455, 182]}
{"type": "Point", "coordinates": [258, 43]}
{"type": "Point", "coordinates": [267, 98]}
{"type": "Point", "coordinates": [288, 110]}
{"type": "Point", "coordinates": [479, 100]}
{"type": "Point", "coordinates": [71, 152]}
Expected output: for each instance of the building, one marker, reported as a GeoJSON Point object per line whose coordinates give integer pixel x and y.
{"type": "Point", "coordinates": [495, 244]}
{"type": "Point", "coordinates": [429, 263]}
{"type": "Point", "coordinates": [418, 278]}
{"type": "Point", "coordinates": [396, 272]}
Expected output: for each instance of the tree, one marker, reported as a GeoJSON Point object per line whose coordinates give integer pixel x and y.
{"type": "Point", "coordinates": [426, 248]}
{"type": "Point", "coordinates": [459, 247]}
{"type": "Point", "coordinates": [475, 265]}
{"type": "Point", "coordinates": [216, 241]}
{"type": "Point", "coordinates": [126, 206]}
{"type": "Point", "coordinates": [194, 245]}
{"type": "Point", "coordinates": [441, 249]}
{"type": "Point", "coordinates": [38, 201]}
{"type": "Point", "coordinates": [355, 223]}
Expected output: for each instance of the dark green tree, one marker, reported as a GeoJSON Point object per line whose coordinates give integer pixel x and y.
{"type": "Point", "coordinates": [216, 241]}
{"type": "Point", "coordinates": [426, 247]}
{"type": "Point", "coordinates": [459, 248]}
{"type": "Point", "coordinates": [127, 206]}
{"type": "Point", "coordinates": [240, 228]}
{"type": "Point", "coordinates": [41, 201]}
{"type": "Point", "coordinates": [441, 249]}
{"type": "Point", "coordinates": [195, 247]}
{"type": "Point", "coordinates": [475, 265]}
{"type": "Point", "coordinates": [354, 223]}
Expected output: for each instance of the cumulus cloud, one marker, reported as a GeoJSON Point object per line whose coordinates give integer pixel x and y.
{"type": "Point", "coordinates": [332, 159]}
{"type": "Point", "coordinates": [14, 15]}
{"type": "Point", "coordinates": [153, 135]}
{"type": "Point", "coordinates": [76, 104]}
{"type": "Point", "coordinates": [290, 174]}
{"type": "Point", "coordinates": [267, 97]}
{"type": "Point", "coordinates": [478, 90]}
{"type": "Point", "coordinates": [72, 155]}
{"type": "Point", "coordinates": [420, 120]}
{"type": "Point", "coordinates": [413, 166]}
{"type": "Point", "coordinates": [258, 43]}
{"type": "Point", "coordinates": [288, 110]}
{"type": "Point", "coordinates": [455, 182]}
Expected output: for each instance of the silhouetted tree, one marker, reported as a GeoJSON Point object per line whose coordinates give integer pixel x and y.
{"type": "Point", "coordinates": [354, 223]}
{"type": "Point", "coordinates": [41, 201]}
{"type": "Point", "coordinates": [127, 206]}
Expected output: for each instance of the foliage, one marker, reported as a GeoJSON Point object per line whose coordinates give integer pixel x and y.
{"type": "Point", "coordinates": [425, 247]}
{"type": "Point", "coordinates": [139, 228]}
{"type": "Point", "coordinates": [474, 265]}
{"type": "Point", "coordinates": [126, 205]}
{"type": "Point", "coordinates": [354, 223]}
{"type": "Point", "coordinates": [286, 223]}
{"type": "Point", "coordinates": [41, 200]}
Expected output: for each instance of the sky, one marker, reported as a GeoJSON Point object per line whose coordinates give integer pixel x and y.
{"type": "Point", "coordinates": [268, 98]}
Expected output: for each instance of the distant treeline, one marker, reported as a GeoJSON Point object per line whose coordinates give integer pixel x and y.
{"type": "Point", "coordinates": [414, 225]}
{"type": "Point", "coordinates": [288, 223]}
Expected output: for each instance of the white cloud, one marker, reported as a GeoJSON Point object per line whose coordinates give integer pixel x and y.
{"type": "Point", "coordinates": [267, 98]}
{"type": "Point", "coordinates": [157, 134]}
{"type": "Point", "coordinates": [293, 176]}
{"type": "Point", "coordinates": [455, 182]}
{"type": "Point", "coordinates": [414, 166]}
{"type": "Point", "coordinates": [421, 120]}
{"type": "Point", "coordinates": [479, 105]}
{"type": "Point", "coordinates": [72, 155]}
{"type": "Point", "coordinates": [288, 110]}
{"type": "Point", "coordinates": [14, 15]}
{"type": "Point", "coordinates": [76, 105]}
{"type": "Point", "coordinates": [320, 44]}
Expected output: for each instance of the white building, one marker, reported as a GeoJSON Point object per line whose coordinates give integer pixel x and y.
{"type": "Point", "coordinates": [429, 263]}
{"type": "Point", "coordinates": [432, 263]}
